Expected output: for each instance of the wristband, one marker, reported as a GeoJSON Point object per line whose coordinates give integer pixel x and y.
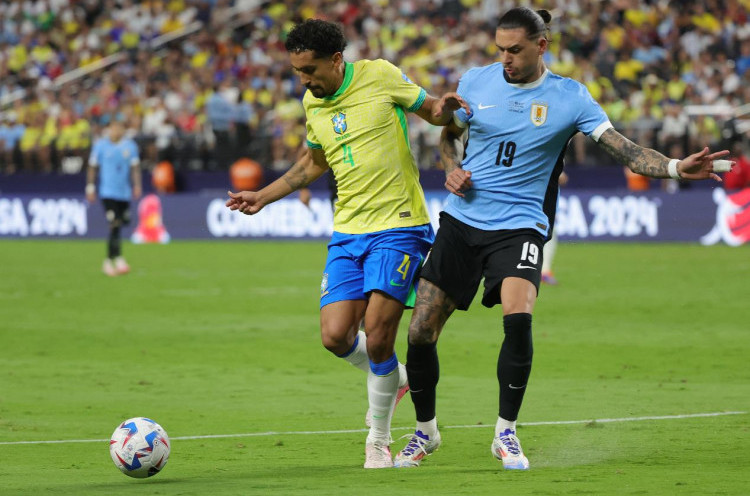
{"type": "Point", "coordinates": [722, 165]}
{"type": "Point", "coordinates": [674, 173]}
{"type": "Point", "coordinates": [90, 188]}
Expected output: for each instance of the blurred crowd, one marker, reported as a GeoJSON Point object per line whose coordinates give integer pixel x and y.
{"type": "Point", "coordinates": [201, 83]}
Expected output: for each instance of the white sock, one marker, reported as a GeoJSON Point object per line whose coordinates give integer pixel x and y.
{"type": "Point", "coordinates": [503, 424]}
{"type": "Point", "coordinates": [548, 251]}
{"type": "Point", "coordinates": [381, 392]}
{"type": "Point", "coordinates": [428, 428]}
{"type": "Point", "coordinates": [358, 357]}
{"type": "Point", "coordinates": [402, 377]}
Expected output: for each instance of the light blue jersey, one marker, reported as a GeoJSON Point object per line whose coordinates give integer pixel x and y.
{"type": "Point", "coordinates": [517, 138]}
{"type": "Point", "coordinates": [114, 161]}
{"type": "Point", "coordinates": [12, 135]}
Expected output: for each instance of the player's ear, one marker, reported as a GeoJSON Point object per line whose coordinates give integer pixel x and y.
{"type": "Point", "coordinates": [337, 58]}
{"type": "Point", "coordinates": [543, 43]}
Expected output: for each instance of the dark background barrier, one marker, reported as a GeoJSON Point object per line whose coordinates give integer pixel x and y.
{"type": "Point", "coordinates": [603, 177]}
{"type": "Point", "coordinates": [700, 215]}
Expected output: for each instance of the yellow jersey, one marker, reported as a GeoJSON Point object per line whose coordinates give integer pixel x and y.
{"type": "Point", "coordinates": [363, 131]}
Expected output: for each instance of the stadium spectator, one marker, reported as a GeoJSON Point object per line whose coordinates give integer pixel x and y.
{"type": "Point", "coordinates": [380, 234]}
{"type": "Point", "coordinates": [221, 115]}
{"type": "Point", "coordinates": [11, 132]}
{"type": "Point", "coordinates": [743, 61]}
{"type": "Point", "coordinates": [44, 43]}
{"type": "Point", "coordinates": [676, 128]}
{"type": "Point", "coordinates": [30, 141]}
{"type": "Point", "coordinates": [116, 162]}
{"type": "Point", "coordinates": [243, 120]}
{"type": "Point", "coordinates": [501, 210]}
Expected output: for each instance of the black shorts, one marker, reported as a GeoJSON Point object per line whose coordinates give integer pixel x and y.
{"type": "Point", "coordinates": [462, 255]}
{"type": "Point", "coordinates": [116, 210]}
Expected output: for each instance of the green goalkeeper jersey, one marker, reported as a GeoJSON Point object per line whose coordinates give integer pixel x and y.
{"type": "Point", "coordinates": [363, 131]}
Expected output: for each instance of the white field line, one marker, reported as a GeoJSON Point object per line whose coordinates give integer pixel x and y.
{"type": "Point", "coordinates": [352, 431]}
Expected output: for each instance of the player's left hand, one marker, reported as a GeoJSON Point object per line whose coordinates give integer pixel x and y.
{"type": "Point", "coordinates": [137, 192]}
{"type": "Point", "coordinates": [458, 181]}
{"type": "Point", "coordinates": [450, 102]}
{"type": "Point", "coordinates": [701, 165]}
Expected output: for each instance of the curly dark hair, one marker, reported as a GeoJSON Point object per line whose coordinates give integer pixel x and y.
{"type": "Point", "coordinates": [321, 37]}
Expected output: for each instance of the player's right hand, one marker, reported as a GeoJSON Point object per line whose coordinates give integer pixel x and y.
{"type": "Point", "coordinates": [458, 181]}
{"type": "Point", "coordinates": [247, 202]}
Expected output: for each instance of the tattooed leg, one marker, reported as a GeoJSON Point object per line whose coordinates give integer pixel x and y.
{"type": "Point", "coordinates": [432, 309]}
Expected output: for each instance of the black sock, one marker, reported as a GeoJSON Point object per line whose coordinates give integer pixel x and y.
{"type": "Point", "coordinates": [423, 369]}
{"type": "Point", "coordinates": [514, 363]}
{"type": "Point", "coordinates": [113, 244]}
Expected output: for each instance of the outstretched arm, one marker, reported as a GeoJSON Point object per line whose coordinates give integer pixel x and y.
{"type": "Point", "coordinates": [457, 180]}
{"type": "Point", "coordinates": [307, 169]}
{"type": "Point", "coordinates": [439, 111]}
{"type": "Point", "coordinates": [651, 163]}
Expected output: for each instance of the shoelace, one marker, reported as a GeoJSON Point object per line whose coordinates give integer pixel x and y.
{"type": "Point", "coordinates": [511, 443]}
{"type": "Point", "coordinates": [415, 443]}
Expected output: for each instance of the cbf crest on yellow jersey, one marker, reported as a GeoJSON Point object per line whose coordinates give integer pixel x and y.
{"type": "Point", "coordinates": [363, 132]}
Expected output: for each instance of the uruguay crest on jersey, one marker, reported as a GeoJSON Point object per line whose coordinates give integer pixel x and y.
{"type": "Point", "coordinates": [538, 113]}
{"type": "Point", "coordinates": [339, 122]}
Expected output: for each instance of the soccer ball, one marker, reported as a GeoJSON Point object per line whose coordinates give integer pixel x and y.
{"type": "Point", "coordinates": [139, 447]}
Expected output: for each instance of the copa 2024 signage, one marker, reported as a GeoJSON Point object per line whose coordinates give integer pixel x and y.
{"type": "Point", "coordinates": [28, 217]}
{"type": "Point", "coordinates": [600, 216]}
{"type": "Point", "coordinates": [701, 215]}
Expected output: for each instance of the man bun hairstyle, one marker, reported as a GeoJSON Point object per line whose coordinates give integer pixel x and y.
{"type": "Point", "coordinates": [545, 15]}
{"type": "Point", "coordinates": [536, 23]}
{"type": "Point", "coordinates": [321, 37]}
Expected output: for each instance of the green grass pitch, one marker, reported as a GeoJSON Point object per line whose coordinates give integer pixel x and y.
{"type": "Point", "coordinates": [221, 339]}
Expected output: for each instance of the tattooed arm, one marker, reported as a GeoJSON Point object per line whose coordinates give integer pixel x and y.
{"type": "Point", "coordinates": [307, 169]}
{"type": "Point", "coordinates": [457, 180]}
{"type": "Point", "coordinates": [651, 163]}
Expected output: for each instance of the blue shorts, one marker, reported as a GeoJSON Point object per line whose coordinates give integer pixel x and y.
{"type": "Point", "coordinates": [387, 261]}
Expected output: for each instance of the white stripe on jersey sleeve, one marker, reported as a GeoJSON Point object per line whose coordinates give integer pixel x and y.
{"type": "Point", "coordinates": [597, 133]}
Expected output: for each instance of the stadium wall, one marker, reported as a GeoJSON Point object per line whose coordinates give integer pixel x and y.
{"type": "Point", "coordinates": [705, 216]}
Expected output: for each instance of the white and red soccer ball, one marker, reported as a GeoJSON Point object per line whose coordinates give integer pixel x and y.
{"type": "Point", "coordinates": [139, 447]}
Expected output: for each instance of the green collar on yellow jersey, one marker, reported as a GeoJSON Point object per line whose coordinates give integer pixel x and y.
{"type": "Point", "coordinates": [348, 73]}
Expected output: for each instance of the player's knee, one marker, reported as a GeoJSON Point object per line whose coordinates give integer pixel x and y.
{"type": "Point", "coordinates": [421, 332]}
{"type": "Point", "coordinates": [336, 339]}
{"type": "Point", "coordinates": [382, 323]}
{"type": "Point", "coordinates": [379, 347]}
